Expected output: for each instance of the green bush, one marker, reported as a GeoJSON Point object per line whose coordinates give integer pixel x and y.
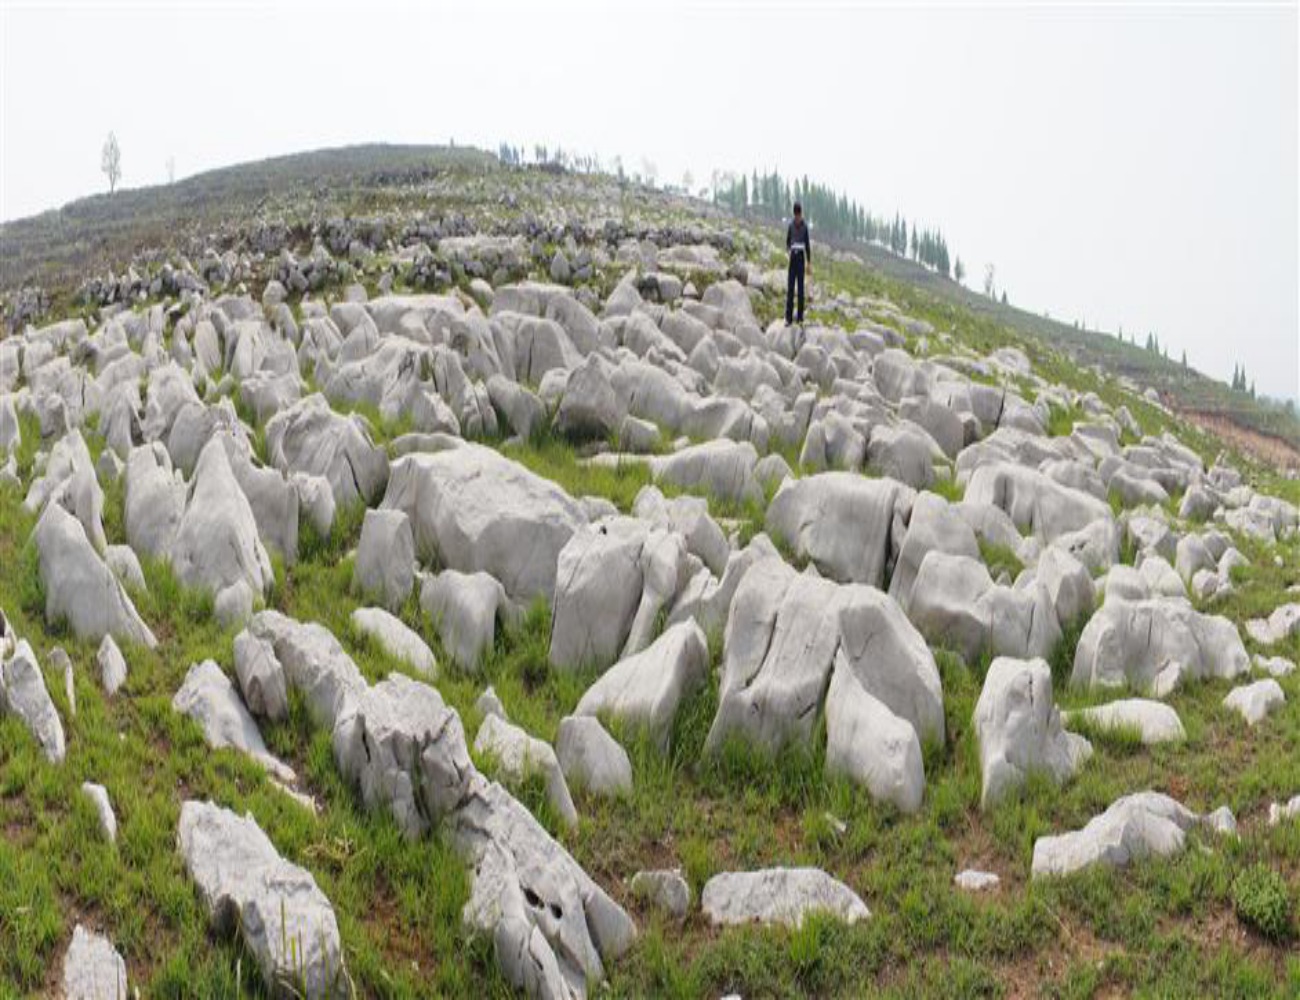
{"type": "Point", "coordinates": [1262, 901]}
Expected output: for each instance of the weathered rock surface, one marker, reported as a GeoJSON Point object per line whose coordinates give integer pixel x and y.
{"type": "Point", "coordinates": [1154, 721]}
{"type": "Point", "coordinates": [955, 603]}
{"type": "Point", "coordinates": [663, 889]}
{"type": "Point", "coordinates": [779, 896]}
{"type": "Point", "coordinates": [278, 911]}
{"type": "Point", "coordinates": [517, 755]}
{"type": "Point", "coordinates": [1146, 824]}
{"type": "Point", "coordinates": [474, 511]}
{"type": "Point", "coordinates": [385, 563]}
{"type": "Point", "coordinates": [613, 579]}
{"type": "Point", "coordinates": [1131, 642]}
{"type": "Point", "coordinates": [591, 758]}
{"type": "Point", "coordinates": [405, 749]}
{"type": "Point", "coordinates": [868, 743]}
{"type": "Point", "coordinates": [465, 609]}
{"type": "Point", "coordinates": [261, 677]}
{"type": "Point", "coordinates": [92, 968]}
{"type": "Point", "coordinates": [395, 638]}
{"type": "Point", "coordinates": [98, 796]}
{"type": "Point", "coordinates": [647, 689]}
{"type": "Point", "coordinates": [79, 586]}
{"type": "Point", "coordinates": [1255, 702]}
{"type": "Point", "coordinates": [783, 635]}
{"type": "Point", "coordinates": [1018, 729]}
{"type": "Point", "coordinates": [849, 527]}
{"type": "Point", "coordinates": [208, 697]}
{"type": "Point", "coordinates": [23, 693]}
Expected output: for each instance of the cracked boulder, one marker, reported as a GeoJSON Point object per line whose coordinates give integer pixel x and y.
{"type": "Point", "coordinates": [553, 928]}
{"type": "Point", "coordinates": [405, 749]}
{"type": "Point", "coordinates": [276, 908]}
{"type": "Point", "coordinates": [1036, 503]}
{"type": "Point", "coordinates": [613, 580]}
{"type": "Point", "coordinates": [955, 603]}
{"type": "Point", "coordinates": [473, 510]}
{"type": "Point", "coordinates": [310, 437]}
{"type": "Point", "coordinates": [1132, 642]}
{"type": "Point", "coordinates": [1018, 729]}
{"type": "Point", "coordinates": [783, 636]}
{"type": "Point", "coordinates": [849, 527]}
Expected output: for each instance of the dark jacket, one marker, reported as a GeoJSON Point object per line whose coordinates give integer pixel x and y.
{"type": "Point", "coordinates": [796, 235]}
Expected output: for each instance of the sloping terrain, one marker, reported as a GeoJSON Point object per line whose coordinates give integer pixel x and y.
{"type": "Point", "coordinates": [454, 581]}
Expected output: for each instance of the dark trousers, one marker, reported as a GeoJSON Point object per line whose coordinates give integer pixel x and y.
{"type": "Point", "coordinates": [794, 277]}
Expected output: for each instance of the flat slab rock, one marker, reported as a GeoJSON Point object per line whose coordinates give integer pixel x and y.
{"type": "Point", "coordinates": [208, 697]}
{"type": "Point", "coordinates": [1146, 824]}
{"type": "Point", "coordinates": [779, 896]}
{"type": "Point", "coordinates": [92, 968]}
{"type": "Point", "coordinates": [972, 880]}
{"type": "Point", "coordinates": [1155, 721]}
{"type": "Point", "coordinates": [277, 909]}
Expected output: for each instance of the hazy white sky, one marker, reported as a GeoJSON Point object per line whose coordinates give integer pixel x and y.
{"type": "Point", "coordinates": [1119, 165]}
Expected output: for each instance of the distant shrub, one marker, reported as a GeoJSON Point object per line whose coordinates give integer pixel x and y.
{"type": "Point", "coordinates": [1262, 901]}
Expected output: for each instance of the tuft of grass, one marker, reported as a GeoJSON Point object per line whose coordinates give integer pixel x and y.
{"type": "Point", "coordinates": [999, 558]}
{"type": "Point", "coordinates": [1262, 901]}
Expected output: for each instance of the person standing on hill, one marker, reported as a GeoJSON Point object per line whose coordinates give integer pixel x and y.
{"type": "Point", "coordinates": [800, 249]}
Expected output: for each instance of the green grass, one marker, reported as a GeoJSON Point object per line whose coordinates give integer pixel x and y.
{"type": "Point", "coordinates": [999, 559]}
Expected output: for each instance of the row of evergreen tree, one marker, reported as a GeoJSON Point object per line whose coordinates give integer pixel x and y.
{"type": "Point", "coordinates": [1240, 383]}
{"type": "Point", "coordinates": [831, 212]}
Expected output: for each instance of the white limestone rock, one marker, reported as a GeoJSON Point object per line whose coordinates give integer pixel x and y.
{"type": "Point", "coordinates": [1132, 642]}
{"type": "Point", "coordinates": [591, 758]}
{"type": "Point", "coordinates": [1154, 721]}
{"type": "Point", "coordinates": [208, 697]}
{"type": "Point", "coordinates": [23, 693]}
{"type": "Point", "coordinates": [647, 689]}
{"type": "Point", "coordinates": [98, 796]}
{"type": "Point", "coordinates": [517, 754]}
{"type": "Point", "coordinates": [281, 915]}
{"type": "Point", "coordinates": [395, 638]}
{"type": "Point", "coordinates": [779, 896]}
{"type": "Point", "coordinates": [868, 743]}
{"type": "Point", "coordinates": [92, 968]}
{"type": "Point", "coordinates": [1145, 824]}
{"type": "Point", "coordinates": [1018, 729]}
{"type": "Point", "coordinates": [111, 664]}
{"type": "Point", "coordinates": [1255, 702]}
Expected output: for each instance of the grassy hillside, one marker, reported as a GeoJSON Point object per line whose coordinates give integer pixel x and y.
{"type": "Point", "coordinates": [58, 248]}
{"type": "Point", "coordinates": [62, 246]}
